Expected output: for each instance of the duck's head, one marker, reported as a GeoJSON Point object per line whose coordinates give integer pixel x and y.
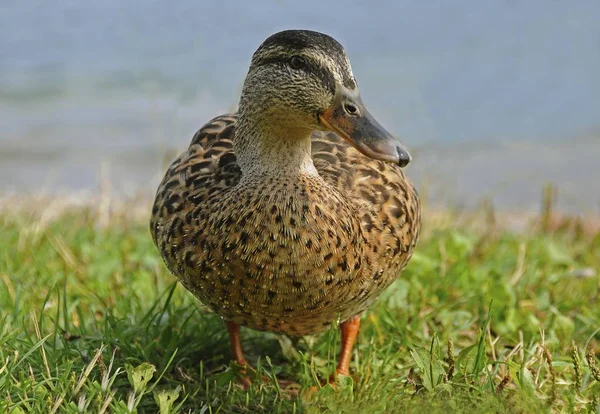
{"type": "Point", "coordinates": [302, 81]}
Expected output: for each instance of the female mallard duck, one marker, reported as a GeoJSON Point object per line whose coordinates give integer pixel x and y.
{"type": "Point", "coordinates": [294, 212]}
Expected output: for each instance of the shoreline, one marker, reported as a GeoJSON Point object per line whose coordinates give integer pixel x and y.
{"type": "Point", "coordinates": [106, 208]}
{"type": "Point", "coordinates": [509, 174]}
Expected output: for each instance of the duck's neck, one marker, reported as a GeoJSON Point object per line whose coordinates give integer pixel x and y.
{"type": "Point", "coordinates": [265, 144]}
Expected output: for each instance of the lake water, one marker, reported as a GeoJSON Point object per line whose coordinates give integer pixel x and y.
{"type": "Point", "coordinates": [495, 99]}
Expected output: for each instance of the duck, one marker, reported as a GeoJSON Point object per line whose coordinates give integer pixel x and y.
{"type": "Point", "coordinates": [294, 213]}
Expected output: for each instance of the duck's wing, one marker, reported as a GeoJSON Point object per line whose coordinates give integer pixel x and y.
{"type": "Point", "coordinates": [206, 169]}
{"type": "Point", "coordinates": [387, 203]}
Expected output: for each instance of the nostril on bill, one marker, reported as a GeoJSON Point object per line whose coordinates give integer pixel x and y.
{"type": "Point", "coordinates": [350, 109]}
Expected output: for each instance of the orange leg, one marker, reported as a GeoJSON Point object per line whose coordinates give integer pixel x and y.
{"type": "Point", "coordinates": [236, 352]}
{"type": "Point", "coordinates": [238, 355]}
{"type": "Point", "coordinates": [349, 330]}
{"type": "Point", "coordinates": [236, 345]}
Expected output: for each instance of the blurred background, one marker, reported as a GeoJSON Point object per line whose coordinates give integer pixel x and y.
{"type": "Point", "coordinates": [495, 99]}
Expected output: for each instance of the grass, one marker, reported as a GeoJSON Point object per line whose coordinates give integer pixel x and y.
{"type": "Point", "coordinates": [482, 320]}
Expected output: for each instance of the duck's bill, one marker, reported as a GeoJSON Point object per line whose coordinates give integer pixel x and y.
{"type": "Point", "coordinates": [349, 118]}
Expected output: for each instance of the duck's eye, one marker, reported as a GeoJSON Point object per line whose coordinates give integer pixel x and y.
{"type": "Point", "coordinates": [297, 62]}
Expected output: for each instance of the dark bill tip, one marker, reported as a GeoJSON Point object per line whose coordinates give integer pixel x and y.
{"type": "Point", "coordinates": [403, 157]}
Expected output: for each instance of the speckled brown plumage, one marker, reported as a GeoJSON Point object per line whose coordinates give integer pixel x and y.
{"type": "Point", "coordinates": [282, 254]}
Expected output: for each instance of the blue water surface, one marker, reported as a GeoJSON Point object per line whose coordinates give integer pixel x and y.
{"type": "Point", "coordinates": [123, 81]}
